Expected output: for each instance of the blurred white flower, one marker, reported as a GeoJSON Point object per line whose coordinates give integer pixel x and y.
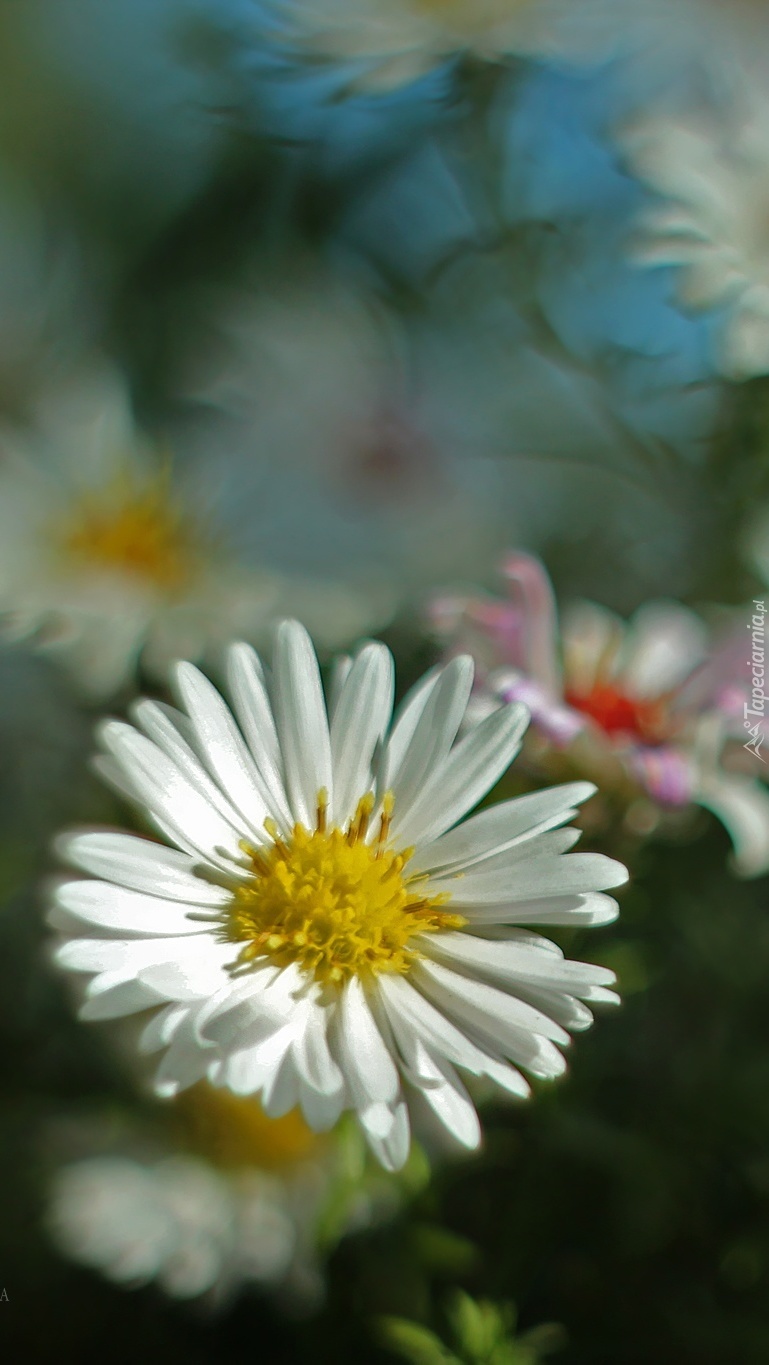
{"type": "Point", "coordinates": [325, 932]}
{"type": "Point", "coordinates": [357, 453]}
{"type": "Point", "coordinates": [107, 557]}
{"type": "Point", "coordinates": [387, 43]}
{"type": "Point", "coordinates": [212, 1198]}
{"type": "Point", "coordinates": [645, 706]}
{"type": "Point", "coordinates": [714, 229]}
{"type": "Point", "coordinates": [715, 48]}
{"type": "Point", "coordinates": [174, 1222]}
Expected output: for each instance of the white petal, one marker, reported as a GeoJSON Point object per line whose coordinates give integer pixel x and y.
{"type": "Point", "coordinates": [470, 771]}
{"type": "Point", "coordinates": [254, 713]}
{"type": "Point", "coordinates": [250, 1007]}
{"type": "Point", "coordinates": [499, 827]}
{"type": "Point", "coordinates": [403, 1002]}
{"type": "Point", "coordinates": [498, 933]}
{"type": "Point", "coordinates": [361, 717]}
{"type": "Point", "coordinates": [281, 1092]}
{"type": "Point", "coordinates": [376, 1121]}
{"type": "Point", "coordinates": [508, 963]}
{"type": "Point", "coordinates": [124, 912]}
{"type": "Point", "coordinates": [321, 1111]}
{"type": "Point", "coordinates": [197, 969]}
{"type": "Point", "coordinates": [185, 1062]}
{"type": "Point", "coordinates": [500, 1006]}
{"type": "Point", "coordinates": [253, 1068]}
{"type": "Point", "coordinates": [591, 909]}
{"type": "Point", "coordinates": [368, 1066]}
{"type": "Point", "coordinates": [222, 748]}
{"type": "Point", "coordinates": [338, 674]}
{"type": "Point", "coordinates": [453, 1106]}
{"type": "Point", "coordinates": [302, 721]}
{"type": "Point", "coordinates": [114, 1000]}
{"type": "Point", "coordinates": [169, 797]}
{"type": "Point", "coordinates": [405, 722]}
{"type": "Point", "coordinates": [174, 968]}
{"type": "Point", "coordinates": [534, 877]}
{"type": "Point", "coordinates": [314, 1061]}
{"type": "Point", "coordinates": [161, 1028]}
{"type": "Point", "coordinates": [140, 865]}
{"type": "Point", "coordinates": [109, 771]}
{"type": "Point", "coordinates": [434, 733]}
{"type": "Point", "coordinates": [495, 1019]}
{"type": "Point", "coordinates": [570, 1013]}
{"type": "Point", "coordinates": [502, 870]}
{"type": "Point", "coordinates": [245, 1072]}
{"type": "Point", "coordinates": [174, 734]}
{"type": "Point", "coordinates": [110, 955]}
{"type": "Point", "coordinates": [392, 1151]}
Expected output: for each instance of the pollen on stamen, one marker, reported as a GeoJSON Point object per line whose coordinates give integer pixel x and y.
{"type": "Point", "coordinates": [331, 902]}
{"type": "Point", "coordinates": [358, 826]}
{"type": "Point", "coordinates": [385, 819]}
{"type": "Point", "coordinates": [271, 827]}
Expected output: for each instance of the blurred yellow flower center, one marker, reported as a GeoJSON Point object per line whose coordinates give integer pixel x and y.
{"type": "Point", "coordinates": [136, 530]}
{"type": "Point", "coordinates": [233, 1133]}
{"type": "Point", "coordinates": [333, 902]}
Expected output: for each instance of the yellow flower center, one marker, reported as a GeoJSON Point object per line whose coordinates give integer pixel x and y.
{"type": "Point", "coordinates": [133, 529]}
{"type": "Point", "coordinates": [233, 1133]}
{"type": "Point", "coordinates": [332, 902]}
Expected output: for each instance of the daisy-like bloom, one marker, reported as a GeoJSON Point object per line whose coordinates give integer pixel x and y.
{"type": "Point", "coordinates": [713, 226]}
{"type": "Point", "coordinates": [106, 557]}
{"type": "Point", "coordinates": [214, 1197]}
{"type": "Point", "coordinates": [645, 708]}
{"type": "Point", "coordinates": [323, 930]}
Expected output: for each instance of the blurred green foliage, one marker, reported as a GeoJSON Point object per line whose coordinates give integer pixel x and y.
{"type": "Point", "coordinates": [483, 1334]}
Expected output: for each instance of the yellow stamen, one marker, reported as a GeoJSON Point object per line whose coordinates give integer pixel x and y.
{"type": "Point", "coordinates": [385, 820]}
{"type": "Point", "coordinates": [332, 903]}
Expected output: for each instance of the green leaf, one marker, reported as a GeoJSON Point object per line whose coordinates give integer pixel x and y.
{"type": "Point", "coordinates": [414, 1343]}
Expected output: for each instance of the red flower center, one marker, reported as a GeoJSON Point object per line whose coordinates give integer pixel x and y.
{"type": "Point", "coordinates": [618, 714]}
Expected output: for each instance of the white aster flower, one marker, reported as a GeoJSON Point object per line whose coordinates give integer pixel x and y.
{"type": "Point", "coordinates": [323, 930]}
{"type": "Point", "coordinates": [108, 557]}
{"type": "Point", "coordinates": [714, 173]}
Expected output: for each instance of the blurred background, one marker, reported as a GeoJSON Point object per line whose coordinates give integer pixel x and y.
{"type": "Point", "coordinates": [326, 308]}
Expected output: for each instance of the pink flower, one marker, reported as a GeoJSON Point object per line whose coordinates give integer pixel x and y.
{"type": "Point", "coordinates": [654, 696]}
